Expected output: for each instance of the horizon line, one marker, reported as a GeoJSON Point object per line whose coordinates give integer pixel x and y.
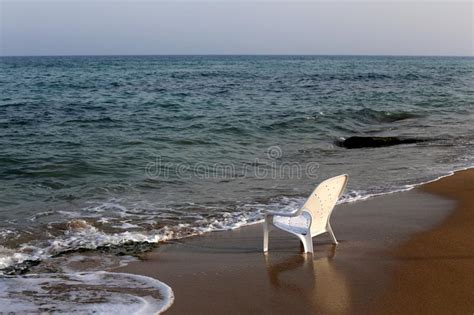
{"type": "Point", "coordinates": [236, 55]}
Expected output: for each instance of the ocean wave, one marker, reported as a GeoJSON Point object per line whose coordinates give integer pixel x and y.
{"type": "Point", "coordinates": [368, 115]}
{"type": "Point", "coordinates": [362, 76]}
{"type": "Point", "coordinates": [91, 120]}
{"type": "Point", "coordinates": [85, 293]}
{"type": "Point", "coordinates": [80, 235]}
{"type": "Point", "coordinates": [334, 118]}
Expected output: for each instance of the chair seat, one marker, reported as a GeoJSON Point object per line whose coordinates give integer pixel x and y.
{"type": "Point", "coordinates": [298, 224]}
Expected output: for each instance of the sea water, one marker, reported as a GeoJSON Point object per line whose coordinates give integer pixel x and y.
{"type": "Point", "coordinates": [100, 152]}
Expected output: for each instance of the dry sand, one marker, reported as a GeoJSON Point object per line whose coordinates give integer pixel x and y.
{"type": "Point", "coordinates": [404, 253]}
{"type": "Point", "coordinates": [435, 268]}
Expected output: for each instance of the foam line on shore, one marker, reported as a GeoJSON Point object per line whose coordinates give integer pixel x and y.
{"type": "Point", "coordinates": [86, 292]}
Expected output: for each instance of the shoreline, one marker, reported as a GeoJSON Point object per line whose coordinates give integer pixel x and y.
{"type": "Point", "coordinates": [139, 237]}
{"type": "Point", "coordinates": [228, 272]}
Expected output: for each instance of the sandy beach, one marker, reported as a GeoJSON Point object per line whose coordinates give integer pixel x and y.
{"type": "Point", "coordinates": [408, 252]}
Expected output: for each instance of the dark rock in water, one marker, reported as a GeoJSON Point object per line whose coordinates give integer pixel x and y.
{"type": "Point", "coordinates": [130, 248]}
{"type": "Point", "coordinates": [373, 142]}
{"type": "Point", "coordinates": [20, 268]}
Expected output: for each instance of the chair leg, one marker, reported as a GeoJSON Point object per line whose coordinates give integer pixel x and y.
{"type": "Point", "coordinates": [266, 228]}
{"type": "Point", "coordinates": [307, 243]}
{"type": "Point", "coordinates": [329, 228]}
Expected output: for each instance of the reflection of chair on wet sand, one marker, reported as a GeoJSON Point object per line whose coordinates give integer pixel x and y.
{"type": "Point", "coordinates": [313, 218]}
{"type": "Point", "coordinates": [317, 286]}
{"type": "Point", "coordinates": [279, 266]}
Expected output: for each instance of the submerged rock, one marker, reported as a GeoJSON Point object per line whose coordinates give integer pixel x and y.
{"type": "Point", "coordinates": [373, 142]}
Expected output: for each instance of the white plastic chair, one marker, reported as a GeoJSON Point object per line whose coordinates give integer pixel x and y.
{"type": "Point", "coordinates": [312, 218]}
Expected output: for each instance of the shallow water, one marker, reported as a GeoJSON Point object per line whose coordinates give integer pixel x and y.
{"type": "Point", "coordinates": [98, 151]}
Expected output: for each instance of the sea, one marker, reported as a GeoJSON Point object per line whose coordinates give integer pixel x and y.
{"type": "Point", "coordinates": [122, 153]}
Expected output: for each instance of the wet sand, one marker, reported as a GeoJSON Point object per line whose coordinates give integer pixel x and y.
{"type": "Point", "coordinates": [409, 252]}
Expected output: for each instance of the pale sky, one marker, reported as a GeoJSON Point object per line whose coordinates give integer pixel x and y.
{"type": "Point", "coordinates": [109, 27]}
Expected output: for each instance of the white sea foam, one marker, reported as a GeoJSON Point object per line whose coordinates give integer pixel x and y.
{"type": "Point", "coordinates": [80, 235]}
{"type": "Point", "coordinates": [84, 293]}
{"type": "Point", "coordinates": [6, 233]}
{"type": "Point", "coordinates": [10, 257]}
{"type": "Point", "coordinates": [127, 225]}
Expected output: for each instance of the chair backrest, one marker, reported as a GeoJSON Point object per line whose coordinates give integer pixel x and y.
{"type": "Point", "coordinates": [322, 200]}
